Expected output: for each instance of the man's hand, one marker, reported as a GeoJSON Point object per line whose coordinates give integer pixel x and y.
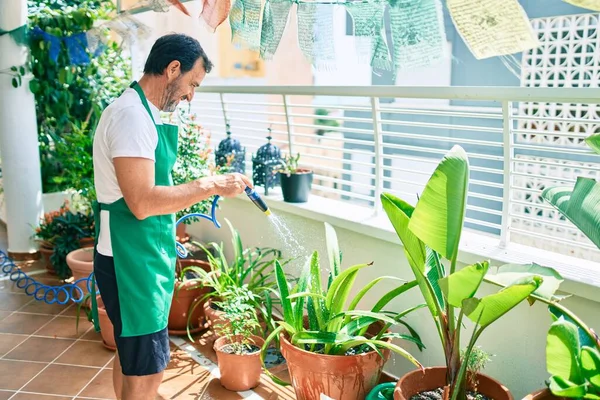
{"type": "Point", "coordinates": [230, 185]}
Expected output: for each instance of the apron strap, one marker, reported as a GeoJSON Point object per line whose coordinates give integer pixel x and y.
{"type": "Point", "coordinates": [140, 92]}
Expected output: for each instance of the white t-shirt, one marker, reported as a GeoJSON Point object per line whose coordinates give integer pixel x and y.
{"type": "Point", "coordinates": [125, 129]}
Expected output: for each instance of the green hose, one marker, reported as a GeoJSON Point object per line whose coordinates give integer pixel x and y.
{"type": "Point", "coordinates": [384, 391]}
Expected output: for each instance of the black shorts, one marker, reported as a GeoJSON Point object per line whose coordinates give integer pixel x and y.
{"type": "Point", "coordinates": [139, 355]}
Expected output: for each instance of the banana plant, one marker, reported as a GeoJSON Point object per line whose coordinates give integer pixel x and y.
{"type": "Point", "coordinates": [324, 319]}
{"type": "Point", "coordinates": [593, 142]}
{"type": "Point", "coordinates": [430, 233]}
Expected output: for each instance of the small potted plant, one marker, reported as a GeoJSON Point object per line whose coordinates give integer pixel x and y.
{"type": "Point", "coordinates": [296, 182]}
{"type": "Point", "coordinates": [238, 349]}
{"type": "Point", "coordinates": [431, 232]}
{"type": "Point", "coordinates": [46, 234]}
{"type": "Point", "coordinates": [331, 347]}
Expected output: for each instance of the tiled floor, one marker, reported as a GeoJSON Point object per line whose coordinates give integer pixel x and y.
{"type": "Point", "coordinates": [43, 356]}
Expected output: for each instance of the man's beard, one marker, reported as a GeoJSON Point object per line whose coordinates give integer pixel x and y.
{"type": "Point", "coordinates": [171, 101]}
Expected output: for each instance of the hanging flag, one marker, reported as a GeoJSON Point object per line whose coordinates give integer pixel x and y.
{"type": "Point", "coordinates": [77, 48]}
{"type": "Point", "coordinates": [19, 35]}
{"type": "Point", "coordinates": [53, 42]}
{"type": "Point", "coordinates": [315, 34]}
{"type": "Point", "coordinates": [96, 41]}
{"type": "Point", "coordinates": [215, 12]}
{"type": "Point", "coordinates": [418, 34]}
{"type": "Point", "coordinates": [493, 27]}
{"type": "Point", "coordinates": [371, 43]}
{"type": "Point", "coordinates": [275, 18]}
{"type": "Point", "coordinates": [244, 19]}
{"type": "Point", "coordinates": [589, 4]}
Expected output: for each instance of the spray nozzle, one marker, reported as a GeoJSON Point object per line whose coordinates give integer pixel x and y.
{"type": "Point", "coordinates": [257, 200]}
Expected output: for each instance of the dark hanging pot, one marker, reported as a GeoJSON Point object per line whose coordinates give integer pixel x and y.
{"type": "Point", "coordinates": [296, 187]}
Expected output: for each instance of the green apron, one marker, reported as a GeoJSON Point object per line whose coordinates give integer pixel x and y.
{"type": "Point", "coordinates": [143, 251]}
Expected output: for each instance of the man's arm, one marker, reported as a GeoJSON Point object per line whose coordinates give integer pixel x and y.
{"type": "Point", "coordinates": [136, 180]}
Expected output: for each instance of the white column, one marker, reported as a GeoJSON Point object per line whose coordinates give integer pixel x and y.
{"type": "Point", "coordinates": [19, 149]}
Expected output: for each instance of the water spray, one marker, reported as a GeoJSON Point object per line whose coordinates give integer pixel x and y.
{"type": "Point", "coordinates": [258, 201]}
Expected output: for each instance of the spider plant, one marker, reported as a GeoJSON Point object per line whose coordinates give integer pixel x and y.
{"type": "Point", "coordinates": [250, 267]}
{"type": "Point", "coordinates": [431, 232]}
{"type": "Point", "coordinates": [315, 318]}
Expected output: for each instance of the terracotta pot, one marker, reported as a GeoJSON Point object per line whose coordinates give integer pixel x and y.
{"type": "Point", "coordinates": [181, 234]}
{"type": "Point", "coordinates": [239, 372]}
{"type": "Point", "coordinates": [81, 263]}
{"type": "Point", "coordinates": [544, 394]}
{"type": "Point", "coordinates": [338, 377]}
{"type": "Point", "coordinates": [86, 242]}
{"type": "Point", "coordinates": [106, 327]}
{"type": "Point", "coordinates": [418, 381]}
{"type": "Point", "coordinates": [183, 298]}
{"type": "Point", "coordinates": [46, 253]}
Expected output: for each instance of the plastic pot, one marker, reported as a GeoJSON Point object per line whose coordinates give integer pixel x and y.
{"type": "Point", "coordinates": [214, 317]}
{"type": "Point", "coordinates": [239, 372]}
{"type": "Point", "coordinates": [296, 187]}
{"type": "Point", "coordinates": [544, 394]}
{"type": "Point", "coordinates": [433, 378]}
{"type": "Point", "coordinates": [338, 377]}
{"type": "Point", "coordinates": [184, 296]}
{"type": "Point", "coordinates": [81, 263]}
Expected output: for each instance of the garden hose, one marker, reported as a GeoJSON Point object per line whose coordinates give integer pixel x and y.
{"type": "Point", "coordinates": [71, 292]}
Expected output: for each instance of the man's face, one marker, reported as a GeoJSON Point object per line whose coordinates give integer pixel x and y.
{"type": "Point", "coordinates": [181, 86]}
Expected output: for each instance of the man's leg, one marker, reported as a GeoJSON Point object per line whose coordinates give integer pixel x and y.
{"type": "Point", "coordinates": [141, 387]}
{"type": "Point", "coordinates": [117, 378]}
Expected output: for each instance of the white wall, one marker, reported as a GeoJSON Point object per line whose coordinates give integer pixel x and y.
{"type": "Point", "coordinates": [517, 340]}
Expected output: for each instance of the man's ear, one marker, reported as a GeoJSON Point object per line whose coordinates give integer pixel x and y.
{"type": "Point", "coordinates": [173, 70]}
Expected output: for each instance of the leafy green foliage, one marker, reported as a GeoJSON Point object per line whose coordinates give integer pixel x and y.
{"type": "Point", "coordinates": [326, 123]}
{"type": "Point", "coordinates": [193, 161]}
{"type": "Point", "coordinates": [574, 368]}
{"type": "Point", "coordinates": [317, 318]}
{"type": "Point", "coordinates": [251, 268]}
{"type": "Point", "coordinates": [69, 96]}
{"type": "Point", "coordinates": [289, 164]}
{"type": "Point", "coordinates": [239, 312]}
{"type": "Point", "coordinates": [432, 230]}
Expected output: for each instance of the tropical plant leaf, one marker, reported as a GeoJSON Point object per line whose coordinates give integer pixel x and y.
{"type": "Point", "coordinates": [400, 336]}
{"type": "Point", "coordinates": [560, 387]}
{"type": "Point", "coordinates": [581, 206]}
{"type": "Point", "coordinates": [439, 214]}
{"type": "Point", "coordinates": [488, 309]}
{"type": "Point", "coordinates": [590, 365]}
{"type": "Point", "coordinates": [317, 289]}
{"type": "Point", "coordinates": [333, 250]}
{"type": "Point", "coordinates": [284, 294]}
{"type": "Point", "coordinates": [263, 355]}
{"type": "Point", "coordinates": [586, 337]}
{"type": "Point", "coordinates": [313, 323]}
{"type": "Point", "coordinates": [299, 304]}
{"type": "Point", "coordinates": [340, 288]}
{"type": "Point", "coordinates": [434, 270]}
{"type": "Point", "coordinates": [308, 337]}
{"type": "Point", "coordinates": [358, 324]}
{"type": "Point", "coordinates": [399, 213]}
{"type": "Point", "coordinates": [593, 142]}
{"type": "Point", "coordinates": [366, 288]}
{"type": "Point", "coordinates": [507, 274]}
{"type": "Point", "coordinates": [562, 352]}
{"type": "Point", "coordinates": [463, 284]}
{"type": "Point", "coordinates": [412, 332]}
{"type": "Point", "coordinates": [392, 294]}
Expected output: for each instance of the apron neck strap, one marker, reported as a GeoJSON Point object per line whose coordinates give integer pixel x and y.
{"type": "Point", "coordinates": [136, 86]}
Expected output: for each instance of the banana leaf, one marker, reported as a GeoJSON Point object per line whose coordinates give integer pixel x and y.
{"type": "Point", "coordinates": [463, 284]}
{"type": "Point", "coordinates": [439, 214]}
{"type": "Point", "coordinates": [561, 387]}
{"type": "Point", "coordinates": [581, 205]}
{"type": "Point", "coordinates": [590, 365]}
{"type": "Point", "coordinates": [488, 309]}
{"type": "Point", "coordinates": [508, 274]}
{"type": "Point", "coordinates": [562, 352]}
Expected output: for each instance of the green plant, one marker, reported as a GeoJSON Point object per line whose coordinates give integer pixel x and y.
{"type": "Point", "coordinates": [250, 267]}
{"type": "Point", "coordinates": [430, 232]}
{"type": "Point", "coordinates": [49, 228]}
{"type": "Point", "coordinates": [476, 362]}
{"type": "Point", "coordinates": [330, 328]}
{"type": "Point", "coordinates": [239, 310]}
{"type": "Point", "coordinates": [69, 95]}
{"type": "Point", "coordinates": [193, 160]}
{"type": "Point", "coordinates": [289, 164]}
{"type": "Point", "coordinates": [326, 123]}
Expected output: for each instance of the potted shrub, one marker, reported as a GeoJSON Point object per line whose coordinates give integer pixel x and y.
{"type": "Point", "coordinates": [431, 232]}
{"type": "Point", "coordinates": [238, 349]}
{"type": "Point", "coordinates": [331, 350]}
{"type": "Point", "coordinates": [251, 267]}
{"type": "Point", "coordinates": [295, 182]}
{"type": "Point", "coordinates": [193, 162]}
{"type": "Point", "coordinates": [189, 290]}
{"type": "Point", "coordinates": [46, 234]}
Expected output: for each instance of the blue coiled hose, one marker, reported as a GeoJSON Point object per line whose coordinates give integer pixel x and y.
{"type": "Point", "coordinates": [52, 294]}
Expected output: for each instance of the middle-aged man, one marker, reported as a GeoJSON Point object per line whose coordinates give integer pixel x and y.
{"type": "Point", "coordinates": [134, 265]}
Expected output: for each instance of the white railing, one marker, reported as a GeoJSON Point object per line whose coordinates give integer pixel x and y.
{"type": "Point", "coordinates": [391, 138]}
